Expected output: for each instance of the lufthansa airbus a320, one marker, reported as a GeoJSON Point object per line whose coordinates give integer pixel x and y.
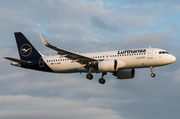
{"type": "Point", "coordinates": [121, 63]}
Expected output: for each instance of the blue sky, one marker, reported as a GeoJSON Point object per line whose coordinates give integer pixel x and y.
{"type": "Point", "coordinates": [90, 26]}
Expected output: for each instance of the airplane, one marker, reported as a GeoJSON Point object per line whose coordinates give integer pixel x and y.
{"type": "Point", "coordinates": [120, 63]}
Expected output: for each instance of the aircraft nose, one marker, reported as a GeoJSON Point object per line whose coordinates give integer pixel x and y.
{"type": "Point", "coordinates": [172, 58]}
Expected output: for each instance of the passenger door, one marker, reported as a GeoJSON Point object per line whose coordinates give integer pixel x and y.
{"type": "Point", "coordinates": [150, 53]}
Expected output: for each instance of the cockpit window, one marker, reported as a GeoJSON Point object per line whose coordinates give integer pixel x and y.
{"type": "Point", "coordinates": [163, 52]}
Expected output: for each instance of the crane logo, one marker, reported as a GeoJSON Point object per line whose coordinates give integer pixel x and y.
{"type": "Point", "coordinates": [25, 50]}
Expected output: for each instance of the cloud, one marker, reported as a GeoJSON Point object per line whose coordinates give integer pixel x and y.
{"type": "Point", "coordinates": [23, 106]}
{"type": "Point", "coordinates": [100, 24]}
{"type": "Point", "coordinates": [152, 1]}
{"type": "Point", "coordinates": [175, 76]}
{"type": "Point", "coordinates": [10, 76]}
{"type": "Point", "coordinates": [148, 38]}
{"type": "Point", "coordinates": [89, 26]}
{"type": "Point", "coordinates": [152, 12]}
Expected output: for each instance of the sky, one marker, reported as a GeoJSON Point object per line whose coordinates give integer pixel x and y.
{"type": "Point", "coordinates": [90, 26]}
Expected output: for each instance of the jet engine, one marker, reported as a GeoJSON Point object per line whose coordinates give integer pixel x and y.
{"type": "Point", "coordinates": [125, 74]}
{"type": "Point", "coordinates": [108, 66]}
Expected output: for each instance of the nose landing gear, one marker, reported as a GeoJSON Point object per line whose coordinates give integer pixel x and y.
{"type": "Point", "coordinates": [152, 72]}
{"type": "Point", "coordinates": [153, 75]}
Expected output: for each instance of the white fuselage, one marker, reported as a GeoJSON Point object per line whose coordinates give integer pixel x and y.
{"type": "Point", "coordinates": [120, 63]}
{"type": "Point", "coordinates": [127, 59]}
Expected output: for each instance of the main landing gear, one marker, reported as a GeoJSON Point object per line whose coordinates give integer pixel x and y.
{"type": "Point", "coordinates": [89, 76]}
{"type": "Point", "coordinates": [152, 72]}
{"type": "Point", "coordinates": [101, 80]}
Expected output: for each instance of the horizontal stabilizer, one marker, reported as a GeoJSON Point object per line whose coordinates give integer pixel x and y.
{"type": "Point", "coordinates": [17, 60]}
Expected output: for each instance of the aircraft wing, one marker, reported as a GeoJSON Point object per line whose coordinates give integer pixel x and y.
{"type": "Point", "coordinates": [17, 60]}
{"type": "Point", "coordinates": [83, 60]}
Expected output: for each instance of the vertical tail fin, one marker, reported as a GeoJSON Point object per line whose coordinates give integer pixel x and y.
{"type": "Point", "coordinates": [26, 49]}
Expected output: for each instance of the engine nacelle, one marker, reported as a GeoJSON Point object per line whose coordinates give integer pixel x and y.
{"type": "Point", "coordinates": [125, 74]}
{"type": "Point", "coordinates": [108, 66]}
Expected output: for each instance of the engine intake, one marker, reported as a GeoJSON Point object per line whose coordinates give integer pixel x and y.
{"type": "Point", "coordinates": [108, 66]}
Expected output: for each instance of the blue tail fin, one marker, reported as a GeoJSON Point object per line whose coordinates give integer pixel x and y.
{"type": "Point", "coordinates": [26, 49]}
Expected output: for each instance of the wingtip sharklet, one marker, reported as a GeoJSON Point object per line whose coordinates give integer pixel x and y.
{"type": "Point", "coordinates": [43, 40]}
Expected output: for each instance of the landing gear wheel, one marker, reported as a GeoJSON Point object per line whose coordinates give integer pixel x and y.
{"type": "Point", "coordinates": [89, 76]}
{"type": "Point", "coordinates": [102, 81]}
{"type": "Point", "coordinates": [153, 75]}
